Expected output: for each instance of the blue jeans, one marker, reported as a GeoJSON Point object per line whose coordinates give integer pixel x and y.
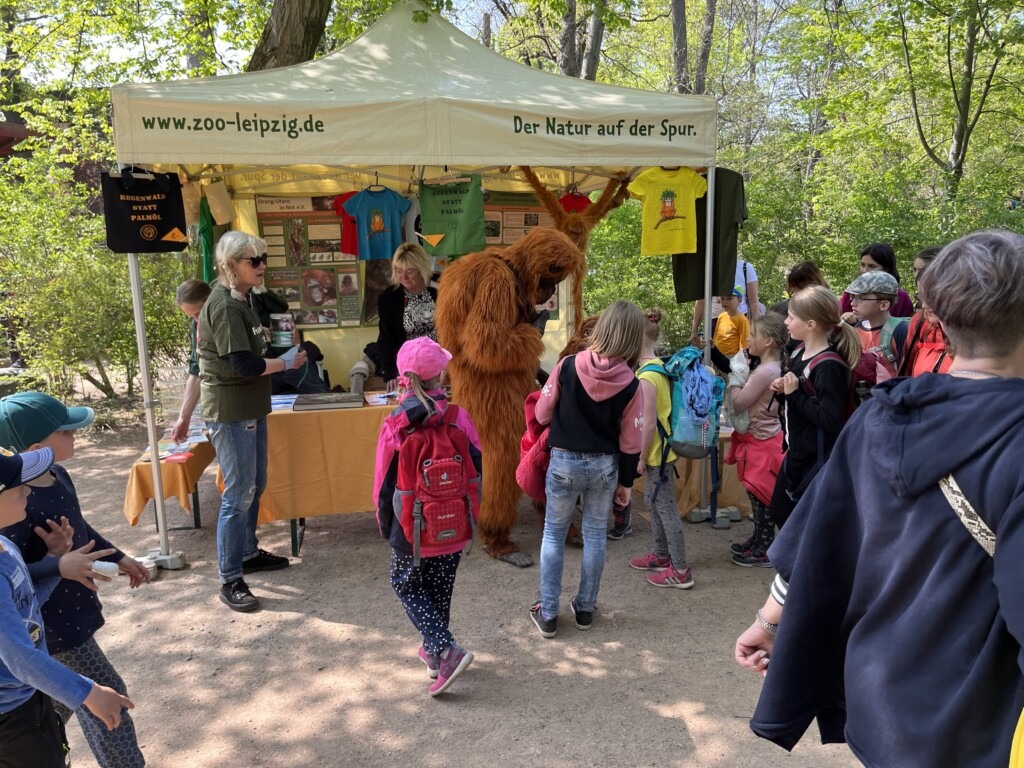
{"type": "Point", "coordinates": [594, 477]}
{"type": "Point", "coordinates": [242, 454]}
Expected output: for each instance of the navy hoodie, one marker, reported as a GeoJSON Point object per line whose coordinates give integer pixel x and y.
{"type": "Point", "coordinates": [897, 624]}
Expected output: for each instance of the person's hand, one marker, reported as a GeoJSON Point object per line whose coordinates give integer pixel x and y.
{"type": "Point", "coordinates": [849, 318]}
{"type": "Point", "coordinates": [294, 358]}
{"type": "Point", "coordinates": [57, 537]}
{"type": "Point", "coordinates": [106, 704]}
{"type": "Point", "coordinates": [179, 431]}
{"type": "Point", "coordinates": [300, 359]}
{"type": "Point", "coordinates": [391, 385]}
{"type": "Point", "coordinates": [695, 339]}
{"type": "Point", "coordinates": [622, 495]}
{"type": "Point", "coordinates": [754, 648]}
{"type": "Point", "coordinates": [777, 384]}
{"type": "Point", "coordinates": [136, 572]}
{"type": "Point", "coordinates": [77, 565]}
{"type": "Point", "coordinates": [789, 383]}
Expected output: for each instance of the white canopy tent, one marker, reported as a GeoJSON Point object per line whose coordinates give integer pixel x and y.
{"type": "Point", "coordinates": [413, 97]}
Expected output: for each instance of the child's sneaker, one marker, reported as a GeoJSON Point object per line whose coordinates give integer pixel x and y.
{"type": "Point", "coordinates": [670, 577]}
{"type": "Point", "coordinates": [547, 627]}
{"type": "Point", "coordinates": [432, 660]}
{"type": "Point", "coordinates": [740, 547]}
{"type": "Point", "coordinates": [752, 559]}
{"type": "Point", "coordinates": [623, 517]}
{"type": "Point", "coordinates": [584, 619]}
{"type": "Point", "coordinates": [449, 668]}
{"type": "Point", "coordinates": [650, 562]}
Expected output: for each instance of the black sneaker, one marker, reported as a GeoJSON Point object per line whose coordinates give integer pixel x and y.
{"type": "Point", "coordinates": [752, 559]}
{"type": "Point", "coordinates": [741, 547]}
{"type": "Point", "coordinates": [623, 518]}
{"type": "Point", "coordinates": [584, 619]}
{"type": "Point", "coordinates": [547, 627]}
{"type": "Point", "coordinates": [236, 596]}
{"type": "Point", "coordinates": [264, 561]}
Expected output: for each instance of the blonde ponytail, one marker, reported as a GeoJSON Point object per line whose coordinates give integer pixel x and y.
{"type": "Point", "coordinates": [419, 389]}
{"type": "Point", "coordinates": [847, 344]}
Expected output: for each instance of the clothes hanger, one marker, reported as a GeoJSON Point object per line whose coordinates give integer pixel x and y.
{"type": "Point", "coordinates": [376, 186]}
{"type": "Point", "coordinates": [448, 177]}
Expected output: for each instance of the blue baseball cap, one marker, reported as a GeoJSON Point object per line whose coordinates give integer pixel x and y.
{"type": "Point", "coordinates": [27, 418]}
{"type": "Point", "coordinates": [19, 468]}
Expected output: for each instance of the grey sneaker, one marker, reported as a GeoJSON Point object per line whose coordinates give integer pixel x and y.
{"type": "Point", "coordinates": [547, 627]}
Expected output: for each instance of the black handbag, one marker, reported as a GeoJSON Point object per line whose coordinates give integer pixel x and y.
{"type": "Point", "coordinates": [144, 212]}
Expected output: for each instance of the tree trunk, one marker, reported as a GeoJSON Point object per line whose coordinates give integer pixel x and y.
{"type": "Point", "coordinates": [704, 54]}
{"type": "Point", "coordinates": [291, 35]}
{"type": "Point", "coordinates": [680, 53]}
{"type": "Point", "coordinates": [568, 52]}
{"type": "Point", "coordinates": [962, 100]}
{"type": "Point", "coordinates": [103, 383]}
{"type": "Point", "coordinates": [595, 39]}
{"type": "Point", "coordinates": [485, 33]}
{"type": "Point", "coordinates": [199, 58]}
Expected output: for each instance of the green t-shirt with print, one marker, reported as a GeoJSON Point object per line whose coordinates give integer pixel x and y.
{"type": "Point", "coordinates": [228, 325]}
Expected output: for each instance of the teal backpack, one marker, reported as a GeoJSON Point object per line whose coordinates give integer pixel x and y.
{"type": "Point", "coordinates": [697, 397]}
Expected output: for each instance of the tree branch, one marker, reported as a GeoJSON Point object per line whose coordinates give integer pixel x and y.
{"type": "Point", "coordinates": [913, 95]}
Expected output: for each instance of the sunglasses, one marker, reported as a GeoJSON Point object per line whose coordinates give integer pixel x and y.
{"type": "Point", "coordinates": [256, 260]}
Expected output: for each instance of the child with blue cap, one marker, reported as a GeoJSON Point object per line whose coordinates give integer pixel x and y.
{"type": "Point", "coordinates": [31, 733]}
{"type": "Point", "coordinates": [73, 614]}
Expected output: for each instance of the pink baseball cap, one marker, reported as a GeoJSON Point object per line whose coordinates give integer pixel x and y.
{"type": "Point", "coordinates": [424, 357]}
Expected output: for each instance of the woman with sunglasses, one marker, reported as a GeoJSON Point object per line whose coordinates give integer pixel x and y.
{"type": "Point", "coordinates": [235, 401]}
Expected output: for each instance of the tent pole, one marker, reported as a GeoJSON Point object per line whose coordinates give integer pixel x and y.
{"type": "Point", "coordinates": [162, 557]}
{"type": "Point", "coordinates": [709, 263]}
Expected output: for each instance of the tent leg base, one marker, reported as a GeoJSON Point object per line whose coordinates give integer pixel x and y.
{"type": "Point", "coordinates": [173, 561]}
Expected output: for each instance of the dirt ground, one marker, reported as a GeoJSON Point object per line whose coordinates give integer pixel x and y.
{"type": "Point", "coordinates": [326, 673]}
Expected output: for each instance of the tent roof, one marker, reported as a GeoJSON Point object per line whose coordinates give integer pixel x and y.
{"type": "Point", "coordinates": [407, 93]}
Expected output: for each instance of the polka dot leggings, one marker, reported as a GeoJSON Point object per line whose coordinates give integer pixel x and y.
{"type": "Point", "coordinates": [426, 595]}
{"type": "Point", "coordinates": [118, 748]}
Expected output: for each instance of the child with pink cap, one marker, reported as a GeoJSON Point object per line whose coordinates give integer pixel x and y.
{"type": "Point", "coordinates": [424, 585]}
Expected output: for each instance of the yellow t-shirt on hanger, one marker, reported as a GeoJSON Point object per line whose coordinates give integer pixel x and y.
{"type": "Point", "coordinates": [669, 222]}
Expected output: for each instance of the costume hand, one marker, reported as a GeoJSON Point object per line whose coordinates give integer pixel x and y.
{"type": "Point", "coordinates": [789, 383]}
{"type": "Point", "coordinates": [622, 495]}
{"type": "Point", "coordinates": [77, 565]}
{"type": "Point", "coordinates": [753, 649]}
{"type": "Point", "coordinates": [136, 572]}
{"type": "Point", "coordinates": [106, 704]}
{"type": "Point", "coordinates": [179, 431]}
{"type": "Point", "coordinates": [391, 386]}
{"type": "Point", "coordinates": [57, 537]}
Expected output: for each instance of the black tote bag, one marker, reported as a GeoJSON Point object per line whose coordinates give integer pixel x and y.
{"type": "Point", "coordinates": [144, 213]}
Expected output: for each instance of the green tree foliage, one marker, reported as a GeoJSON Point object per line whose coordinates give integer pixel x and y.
{"type": "Point", "coordinates": [70, 293]}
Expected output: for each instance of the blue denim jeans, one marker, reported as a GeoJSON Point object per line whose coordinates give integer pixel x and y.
{"type": "Point", "coordinates": [592, 476]}
{"type": "Point", "coordinates": [242, 454]}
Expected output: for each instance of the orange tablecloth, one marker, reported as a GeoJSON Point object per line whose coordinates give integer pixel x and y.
{"type": "Point", "coordinates": [179, 480]}
{"type": "Point", "coordinates": [321, 462]}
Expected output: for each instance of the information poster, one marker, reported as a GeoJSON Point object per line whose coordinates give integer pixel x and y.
{"type": "Point", "coordinates": [509, 216]}
{"type": "Point", "coordinates": [306, 264]}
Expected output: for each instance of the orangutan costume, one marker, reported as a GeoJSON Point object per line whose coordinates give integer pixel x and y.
{"type": "Point", "coordinates": [485, 310]}
{"type": "Point", "coordinates": [576, 225]}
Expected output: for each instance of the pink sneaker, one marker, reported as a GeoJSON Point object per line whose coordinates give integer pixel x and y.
{"type": "Point", "coordinates": [432, 660]}
{"type": "Point", "coordinates": [670, 577]}
{"type": "Point", "coordinates": [650, 562]}
{"type": "Point", "coordinates": [451, 667]}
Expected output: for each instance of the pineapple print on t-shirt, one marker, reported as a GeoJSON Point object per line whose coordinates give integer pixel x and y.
{"type": "Point", "coordinates": [669, 218]}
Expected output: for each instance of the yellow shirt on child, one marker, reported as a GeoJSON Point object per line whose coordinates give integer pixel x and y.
{"type": "Point", "coordinates": [731, 334]}
{"type": "Point", "coordinates": [664, 409]}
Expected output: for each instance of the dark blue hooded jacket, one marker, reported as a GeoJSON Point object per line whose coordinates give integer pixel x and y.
{"type": "Point", "coordinates": [898, 626]}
